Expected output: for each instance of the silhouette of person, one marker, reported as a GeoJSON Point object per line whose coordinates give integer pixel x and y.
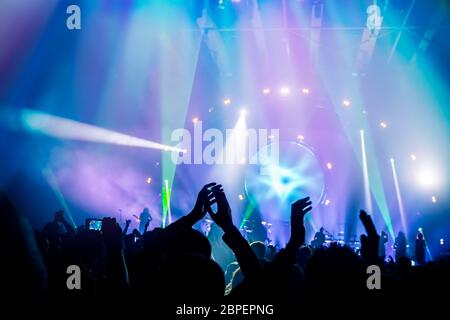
{"type": "Point", "coordinates": [420, 248]}
{"type": "Point", "coordinates": [381, 245]}
{"type": "Point", "coordinates": [144, 218]}
{"type": "Point", "coordinates": [319, 238]}
{"type": "Point", "coordinates": [400, 245]}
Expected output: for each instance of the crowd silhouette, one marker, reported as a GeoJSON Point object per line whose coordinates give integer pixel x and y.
{"type": "Point", "coordinates": [174, 265]}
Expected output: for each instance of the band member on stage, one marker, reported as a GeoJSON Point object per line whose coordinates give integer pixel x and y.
{"type": "Point", "coordinates": [400, 245]}
{"type": "Point", "coordinates": [144, 219]}
{"type": "Point", "coordinates": [319, 238]}
{"type": "Point", "coordinates": [381, 245]}
{"type": "Point", "coordinates": [420, 248]}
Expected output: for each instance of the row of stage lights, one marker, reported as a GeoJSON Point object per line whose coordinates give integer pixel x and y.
{"type": "Point", "coordinates": [424, 178]}
{"type": "Point", "coordinates": [286, 91]}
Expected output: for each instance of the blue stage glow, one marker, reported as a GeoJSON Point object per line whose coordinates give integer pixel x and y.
{"type": "Point", "coordinates": [272, 187]}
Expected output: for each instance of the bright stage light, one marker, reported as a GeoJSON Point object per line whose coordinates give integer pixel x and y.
{"type": "Point", "coordinates": [62, 128]}
{"type": "Point", "coordinates": [346, 103]}
{"type": "Point", "coordinates": [295, 175]}
{"type": "Point", "coordinates": [426, 178]}
{"type": "Point", "coordinates": [301, 137]}
{"type": "Point", "coordinates": [149, 180]}
{"type": "Point", "coordinates": [367, 194]}
{"type": "Point", "coordinates": [305, 90]}
{"type": "Point", "coordinates": [243, 112]}
{"type": "Point", "coordinates": [383, 124]}
{"type": "Point", "coordinates": [241, 197]}
{"type": "Point", "coordinates": [329, 165]}
{"type": "Point", "coordinates": [227, 101]}
{"type": "Point", "coordinates": [441, 242]}
{"type": "Point", "coordinates": [327, 202]}
{"type": "Point", "coordinates": [285, 91]}
{"type": "Point", "coordinates": [266, 90]}
{"type": "Point", "coordinates": [433, 199]}
{"type": "Point", "coordinates": [195, 120]}
{"type": "Point", "coordinates": [413, 157]}
{"type": "Point", "coordinates": [167, 199]}
{"type": "Point", "coordinates": [399, 196]}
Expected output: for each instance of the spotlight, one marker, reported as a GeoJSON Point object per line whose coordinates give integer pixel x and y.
{"type": "Point", "coordinates": [346, 103]}
{"type": "Point", "coordinates": [271, 137]}
{"type": "Point", "coordinates": [433, 199]}
{"type": "Point", "coordinates": [305, 90]}
{"type": "Point", "coordinates": [301, 137]}
{"type": "Point", "coordinates": [63, 128]}
{"type": "Point", "coordinates": [327, 202]}
{"type": "Point", "coordinates": [227, 101]}
{"type": "Point", "coordinates": [383, 124]}
{"type": "Point", "coordinates": [441, 242]}
{"type": "Point", "coordinates": [241, 197]}
{"type": "Point", "coordinates": [266, 90]}
{"type": "Point", "coordinates": [195, 120]}
{"type": "Point", "coordinates": [149, 180]}
{"type": "Point", "coordinates": [285, 91]}
{"type": "Point", "coordinates": [243, 112]}
{"type": "Point", "coordinates": [329, 165]}
{"type": "Point", "coordinates": [413, 157]}
{"type": "Point", "coordinates": [420, 229]}
{"type": "Point", "coordinates": [426, 178]}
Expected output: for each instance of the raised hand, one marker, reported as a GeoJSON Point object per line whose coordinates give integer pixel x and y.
{"type": "Point", "coordinates": [116, 267]}
{"type": "Point", "coordinates": [369, 242]}
{"type": "Point", "coordinates": [223, 216]}
{"type": "Point", "coordinates": [111, 234]}
{"type": "Point", "coordinates": [298, 211]}
{"type": "Point", "coordinates": [60, 218]}
{"type": "Point", "coordinates": [127, 225]}
{"type": "Point", "coordinates": [203, 201]}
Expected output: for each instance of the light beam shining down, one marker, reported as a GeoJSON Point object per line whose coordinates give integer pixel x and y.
{"type": "Point", "coordinates": [58, 127]}
{"type": "Point", "coordinates": [367, 196]}
{"type": "Point", "coordinates": [167, 192]}
{"type": "Point", "coordinates": [399, 196]}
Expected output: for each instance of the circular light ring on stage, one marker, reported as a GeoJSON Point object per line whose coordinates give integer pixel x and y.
{"type": "Point", "coordinates": [272, 186]}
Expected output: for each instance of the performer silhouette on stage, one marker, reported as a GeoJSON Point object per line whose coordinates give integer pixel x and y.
{"type": "Point", "coordinates": [144, 218]}
{"type": "Point", "coordinates": [319, 238]}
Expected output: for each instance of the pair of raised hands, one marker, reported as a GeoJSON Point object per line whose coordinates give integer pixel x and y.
{"type": "Point", "coordinates": [209, 195]}
{"type": "Point", "coordinates": [213, 193]}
